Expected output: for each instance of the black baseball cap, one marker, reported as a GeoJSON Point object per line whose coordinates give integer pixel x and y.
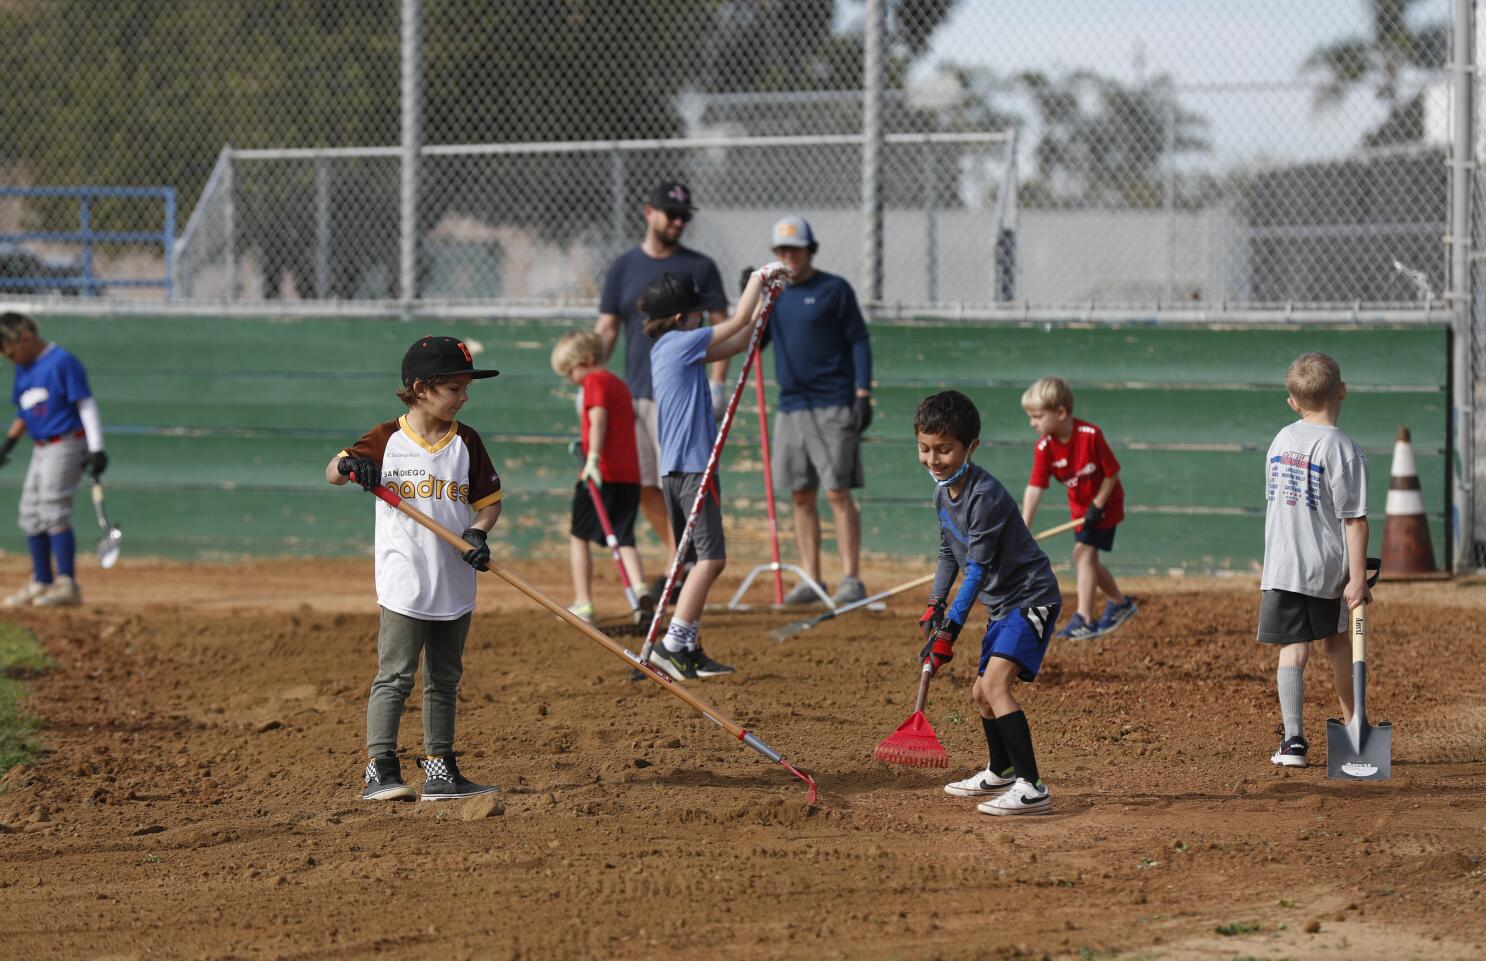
{"type": "Point", "coordinates": [671, 195]}
{"type": "Point", "coordinates": [439, 357]}
{"type": "Point", "coordinates": [675, 292]}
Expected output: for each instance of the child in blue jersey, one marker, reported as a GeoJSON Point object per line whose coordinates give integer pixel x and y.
{"type": "Point", "coordinates": [56, 408]}
{"type": "Point", "coordinates": [673, 306]}
{"type": "Point", "coordinates": [981, 535]}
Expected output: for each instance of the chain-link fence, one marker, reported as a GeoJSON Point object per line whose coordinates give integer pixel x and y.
{"type": "Point", "coordinates": [1249, 152]}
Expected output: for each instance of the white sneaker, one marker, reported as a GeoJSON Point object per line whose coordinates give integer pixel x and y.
{"type": "Point", "coordinates": [62, 592]}
{"type": "Point", "coordinates": [583, 610]}
{"type": "Point", "coordinates": [979, 783]}
{"type": "Point", "coordinates": [27, 595]}
{"type": "Point", "coordinates": [1023, 798]}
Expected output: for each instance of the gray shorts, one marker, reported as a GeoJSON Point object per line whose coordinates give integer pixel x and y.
{"type": "Point", "coordinates": [1286, 617]}
{"type": "Point", "coordinates": [707, 542]}
{"type": "Point", "coordinates": [51, 481]}
{"type": "Point", "coordinates": [816, 448]}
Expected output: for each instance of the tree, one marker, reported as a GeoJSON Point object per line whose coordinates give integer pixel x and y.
{"type": "Point", "coordinates": [1103, 142]}
{"type": "Point", "coordinates": [1382, 59]}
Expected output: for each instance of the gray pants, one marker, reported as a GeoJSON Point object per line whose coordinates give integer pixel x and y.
{"type": "Point", "coordinates": [51, 481]}
{"type": "Point", "coordinates": [399, 643]}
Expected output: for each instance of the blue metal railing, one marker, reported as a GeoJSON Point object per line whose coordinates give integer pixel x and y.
{"type": "Point", "coordinates": [88, 237]}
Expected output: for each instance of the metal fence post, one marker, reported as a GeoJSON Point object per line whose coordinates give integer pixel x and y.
{"type": "Point", "coordinates": [1462, 143]}
{"type": "Point", "coordinates": [322, 228]}
{"type": "Point", "coordinates": [229, 219]}
{"type": "Point", "coordinates": [170, 278]}
{"type": "Point", "coordinates": [931, 227]}
{"type": "Point", "coordinates": [616, 201]}
{"type": "Point", "coordinates": [872, 148]}
{"type": "Point", "coordinates": [412, 136]}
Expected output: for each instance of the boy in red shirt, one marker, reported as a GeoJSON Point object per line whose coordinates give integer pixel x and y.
{"type": "Point", "coordinates": [610, 461]}
{"type": "Point", "coordinates": [1075, 452]}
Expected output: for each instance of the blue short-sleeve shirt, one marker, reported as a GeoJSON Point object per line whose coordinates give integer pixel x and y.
{"type": "Point", "coordinates": [683, 400]}
{"type": "Point", "coordinates": [47, 390]}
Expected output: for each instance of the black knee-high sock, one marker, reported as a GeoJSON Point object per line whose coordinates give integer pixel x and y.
{"type": "Point", "coordinates": [999, 759]}
{"type": "Point", "coordinates": [1018, 739]}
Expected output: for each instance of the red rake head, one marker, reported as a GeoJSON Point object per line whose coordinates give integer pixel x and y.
{"type": "Point", "coordinates": [913, 744]}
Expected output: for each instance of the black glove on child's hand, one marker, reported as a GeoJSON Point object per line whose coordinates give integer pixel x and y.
{"type": "Point", "coordinates": [1093, 514]}
{"type": "Point", "coordinates": [363, 470]}
{"type": "Point", "coordinates": [5, 450]}
{"type": "Point", "coordinates": [861, 413]}
{"type": "Point", "coordinates": [478, 556]}
{"type": "Point", "coordinates": [940, 649]}
{"type": "Point", "coordinates": [933, 618]}
{"type": "Point", "coordinates": [96, 463]}
{"type": "Point", "coordinates": [744, 278]}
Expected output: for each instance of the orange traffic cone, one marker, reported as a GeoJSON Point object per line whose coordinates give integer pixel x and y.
{"type": "Point", "coordinates": [1407, 552]}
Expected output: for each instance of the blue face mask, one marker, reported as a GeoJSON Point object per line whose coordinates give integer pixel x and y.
{"type": "Point", "coordinates": [953, 477]}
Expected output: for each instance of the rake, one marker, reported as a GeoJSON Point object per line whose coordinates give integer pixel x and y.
{"type": "Point", "coordinates": [914, 743]}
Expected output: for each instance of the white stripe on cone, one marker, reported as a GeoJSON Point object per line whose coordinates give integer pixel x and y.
{"type": "Point", "coordinates": [1403, 460]}
{"type": "Point", "coordinates": [1403, 502]}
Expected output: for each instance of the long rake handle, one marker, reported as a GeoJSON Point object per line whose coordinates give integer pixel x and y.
{"type": "Point", "coordinates": [766, 307]}
{"type": "Point", "coordinates": [711, 713]}
{"type": "Point", "coordinates": [924, 674]}
{"type": "Point", "coordinates": [613, 544]}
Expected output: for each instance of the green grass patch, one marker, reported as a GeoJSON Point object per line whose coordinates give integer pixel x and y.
{"type": "Point", "coordinates": [1236, 928]}
{"type": "Point", "coordinates": [20, 656]}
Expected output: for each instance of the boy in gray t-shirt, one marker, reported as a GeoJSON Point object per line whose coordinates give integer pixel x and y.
{"type": "Point", "coordinates": [1315, 542]}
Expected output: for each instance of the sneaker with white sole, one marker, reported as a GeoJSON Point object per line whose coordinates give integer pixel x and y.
{"type": "Point", "coordinates": [1291, 753]}
{"type": "Point", "coordinates": [803, 593]}
{"type": "Point", "coordinates": [1116, 614]}
{"type": "Point", "coordinates": [63, 592]}
{"type": "Point", "coordinates": [443, 782]}
{"type": "Point", "coordinates": [384, 781]}
{"type": "Point", "coordinates": [678, 664]}
{"type": "Point", "coordinates": [981, 782]}
{"type": "Point", "coordinates": [849, 591]}
{"type": "Point", "coordinates": [27, 595]}
{"type": "Point", "coordinates": [705, 666]}
{"type": "Point", "coordinates": [1023, 798]}
{"type": "Point", "coordinates": [583, 610]}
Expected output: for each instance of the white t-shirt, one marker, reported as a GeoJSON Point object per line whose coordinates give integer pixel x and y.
{"type": "Point", "coordinates": [1314, 478]}
{"type": "Point", "coordinates": [447, 479]}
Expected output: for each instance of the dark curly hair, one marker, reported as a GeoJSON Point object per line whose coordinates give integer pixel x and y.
{"type": "Point", "coordinates": [949, 412]}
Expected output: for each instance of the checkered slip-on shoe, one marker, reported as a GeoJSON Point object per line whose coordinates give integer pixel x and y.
{"type": "Point", "coordinates": [384, 781]}
{"type": "Point", "coordinates": [443, 782]}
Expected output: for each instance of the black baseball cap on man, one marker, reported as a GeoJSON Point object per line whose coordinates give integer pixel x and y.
{"type": "Point", "coordinates": [439, 357]}
{"type": "Point", "coordinates": [675, 292]}
{"type": "Point", "coordinates": [671, 195]}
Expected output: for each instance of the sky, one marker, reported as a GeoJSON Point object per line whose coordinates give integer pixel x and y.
{"type": "Point", "coordinates": [1206, 43]}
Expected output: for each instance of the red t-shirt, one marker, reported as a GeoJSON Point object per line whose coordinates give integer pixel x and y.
{"type": "Point", "coordinates": [1082, 464]}
{"type": "Point", "coordinates": [618, 461]}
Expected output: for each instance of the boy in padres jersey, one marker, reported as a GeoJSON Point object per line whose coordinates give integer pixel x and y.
{"type": "Point", "coordinates": [426, 592]}
{"type": "Point", "coordinates": [981, 535]}
{"type": "Point", "coordinates": [55, 406]}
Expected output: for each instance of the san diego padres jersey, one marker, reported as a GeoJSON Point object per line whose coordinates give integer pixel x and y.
{"type": "Point", "coordinates": [448, 479]}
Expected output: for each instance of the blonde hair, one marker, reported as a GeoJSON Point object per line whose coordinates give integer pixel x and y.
{"type": "Point", "coordinates": [1314, 380]}
{"type": "Point", "coordinates": [574, 348]}
{"type": "Point", "coordinates": [1048, 393]}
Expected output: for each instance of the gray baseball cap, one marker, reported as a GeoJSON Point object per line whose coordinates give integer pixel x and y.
{"type": "Point", "coordinates": [793, 231]}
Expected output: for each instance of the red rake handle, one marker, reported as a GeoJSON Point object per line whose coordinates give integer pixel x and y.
{"type": "Point", "coordinates": [391, 499]}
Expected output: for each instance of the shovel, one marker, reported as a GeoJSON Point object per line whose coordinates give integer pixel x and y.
{"type": "Point", "coordinates": [108, 545]}
{"type": "Point", "coordinates": [1359, 751]}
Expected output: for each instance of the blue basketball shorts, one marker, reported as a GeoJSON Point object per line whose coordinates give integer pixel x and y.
{"type": "Point", "coordinates": [1021, 637]}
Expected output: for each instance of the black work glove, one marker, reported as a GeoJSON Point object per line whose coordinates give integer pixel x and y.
{"type": "Point", "coordinates": [5, 450]}
{"type": "Point", "coordinates": [478, 556]}
{"type": "Point", "coordinates": [744, 277]}
{"type": "Point", "coordinates": [1093, 514]}
{"type": "Point", "coordinates": [940, 649]}
{"type": "Point", "coordinates": [861, 413]}
{"type": "Point", "coordinates": [362, 470]}
{"type": "Point", "coordinates": [933, 618]}
{"type": "Point", "coordinates": [96, 463]}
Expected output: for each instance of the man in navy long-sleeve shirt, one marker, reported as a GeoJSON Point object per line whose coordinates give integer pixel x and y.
{"type": "Point", "coordinates": [823, 365]}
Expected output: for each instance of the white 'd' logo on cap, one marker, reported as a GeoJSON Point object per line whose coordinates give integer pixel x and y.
{"type": "Point", "coordinates": [678, 194]}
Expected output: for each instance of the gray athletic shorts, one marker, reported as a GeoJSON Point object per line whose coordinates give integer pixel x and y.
{"type": "Point", "coordinates": [1286, 617]}
{"type": "Point", "coordinates": [707, 542]}
{"type": "Point", "coordinates": [816, 448]}
{"type": "Point", "coordinates": [647, 440]}
{"type": "Point", "coordinates": [51, 481]}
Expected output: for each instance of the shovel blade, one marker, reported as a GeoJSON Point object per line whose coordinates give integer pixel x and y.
{"type": "Point", "coordinates": [108, 550]}
{"type": "Point", "coordinates": [1359, 751]}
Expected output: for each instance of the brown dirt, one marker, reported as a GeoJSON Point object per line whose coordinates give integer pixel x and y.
{"type": "Point", "coordinates": [198, 794]}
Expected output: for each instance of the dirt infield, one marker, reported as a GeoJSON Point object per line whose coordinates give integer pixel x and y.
{"type": "Point", "coordinates": [198, 793]}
